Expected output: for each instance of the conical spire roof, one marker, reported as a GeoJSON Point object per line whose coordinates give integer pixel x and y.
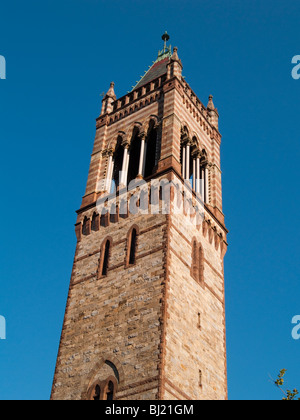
{"type": "Point", "coordinates": [111, 92]}
{"type": "Point", "coordinates": [159, 67]}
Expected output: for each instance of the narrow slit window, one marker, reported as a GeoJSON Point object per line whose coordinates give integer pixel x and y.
{"type": "Point", "coordinates": [200, 379]}
{"type": "Point", "coordinates": [199, 321]}
{"type": "Point", "coordinates": [133, 242]}
{"type": "Point", "coordinates": [197, 267]}
{"type": "Point", "coordinates": [195, 261]}
{"type": "Point", "coordinates": [106, 259]}
{"type": "Point", "coordinates": [201, 265]}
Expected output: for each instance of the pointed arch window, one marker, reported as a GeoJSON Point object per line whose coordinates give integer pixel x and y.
{"type": "Point", "coordinates": [97, 393]}
{"type": "Point", "coordinates": [110, 391]}
{"type": "Point", "coordinates": [103, 390]}
{"type": "Point", "coordinates": [95, 226]}
{"type": "Point", "coordinates": [118, 163]}
{"type": "Point", "coordinates": [152, 150]}
{"type": "Point", "coordinates": [134, 159]}
{"type": "Point", "coordinates": [86, 226]}
{"type": "Point", "coordinates": [132, 245]}
{"type": "Point", "coordinates": [104, 258]}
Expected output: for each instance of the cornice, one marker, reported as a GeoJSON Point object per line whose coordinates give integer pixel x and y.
{"type": "Point", "coordinates": [175, 83]}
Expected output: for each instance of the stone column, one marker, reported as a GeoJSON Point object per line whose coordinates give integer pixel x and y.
{"type": "Point", "coordinates": [187, 162]}
{"type": "Point", "coordinates": [183, 161]}
{"type": "Point", "coordinates": [206, 185]}
{"type": "Point", "coordinates": [142, 158]}
{"type": "Point", "coordinates": [123, 179]}
{"type": "Point", "coordinates": [126, 168]}
{"type": "Point", "coordinates": [194, 173]}
{"type": "Point", "coordinates": [110, 168]}
{"type": "Point", "coordinates": [198, 175]}
{"type": "Point", "coordinates": [202, 183]}
{"type": "Point", "coordinates": [145, 157]}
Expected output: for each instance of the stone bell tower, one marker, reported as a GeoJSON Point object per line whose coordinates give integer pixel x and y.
{"type": "Point", "coordinates": [145, 316]}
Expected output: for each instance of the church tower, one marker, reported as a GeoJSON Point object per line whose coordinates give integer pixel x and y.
{"type": "Point", "coordinates": [145, 316]}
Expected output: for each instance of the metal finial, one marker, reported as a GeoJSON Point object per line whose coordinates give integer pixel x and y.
{"type": "Point", "coordinates": [165, 38]}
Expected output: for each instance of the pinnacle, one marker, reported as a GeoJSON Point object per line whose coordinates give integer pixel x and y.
{"type": "Point", "coordinates": [175, 54]}
{"type": "Point", "coordinates": [111, 91]}
{"type": "Point", "coordinates": [211, 106]}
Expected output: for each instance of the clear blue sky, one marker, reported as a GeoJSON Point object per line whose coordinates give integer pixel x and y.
{"type": "Point", "coordinates": [61, 55]}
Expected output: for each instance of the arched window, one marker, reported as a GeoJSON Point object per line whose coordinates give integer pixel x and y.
{"type": "Point", "coordinates": [97, 393]}
{"type": "Point", "coordinates": [104, 258]}
{"type": "Point", "coordinates": [105, 384]}
{"type": "Point", "coordinates": [103, 390]}
{"type": "Point", "coordinates": [135, 149]}
{"type": "Point", "coordinates": [118, 162]}
{"type": "Point", "coordinates": [110, 391]}
{"type": "Point", "coordinates": [152, 150]}
{"type": "Point", "coordinates": [95, 226]}
{"type": "Point", "coordinates": [132, 246]}
{"type": "Point", "coordinates": [86, 226]}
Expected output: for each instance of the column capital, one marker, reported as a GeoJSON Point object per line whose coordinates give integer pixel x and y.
{"type": "Point", "coordinates": [196, 154]}
{"type": "Point", "coordinates": [110, 152]}
{"type": "Point", "coordinates": [107, 152]}
{"type": "Point", "coordinates": [126, 144]}
{"type": "Point", "coordinates": [142, 136]}
{"type": "Point", "coordinates": [186, 141]}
